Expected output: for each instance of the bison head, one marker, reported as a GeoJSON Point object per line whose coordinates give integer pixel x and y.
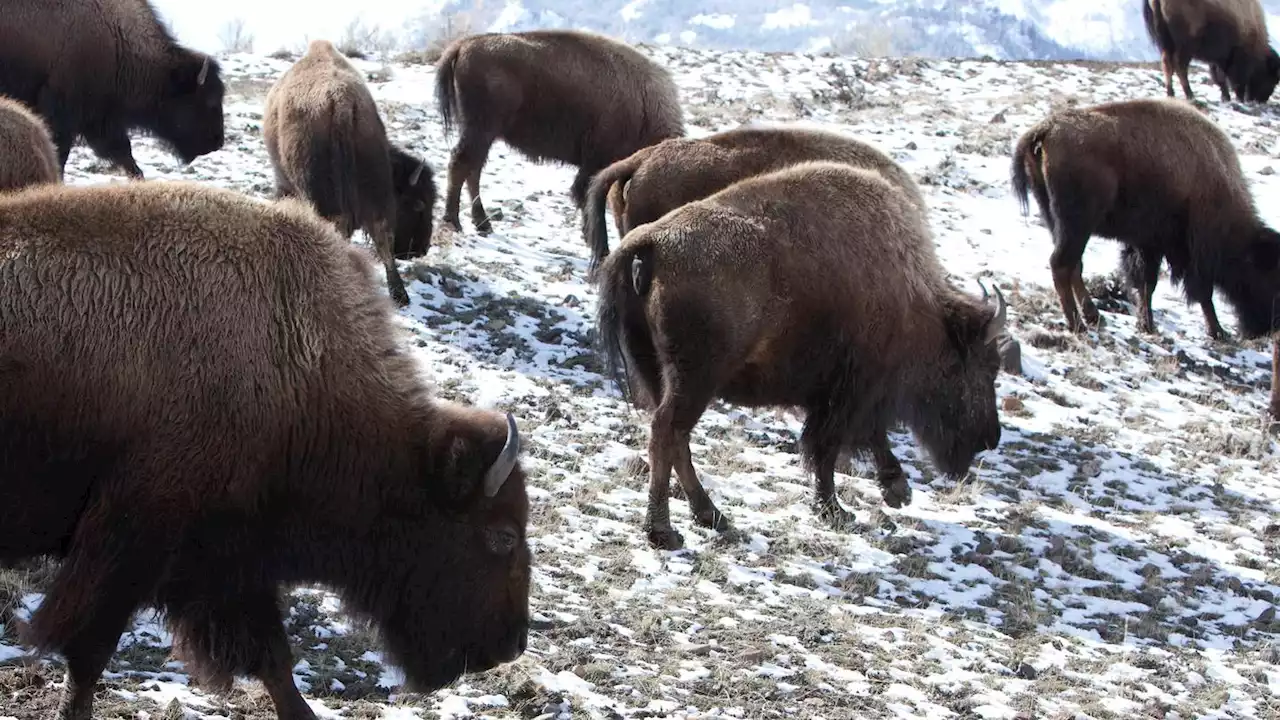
{"type": "Point", "coordinates": [190, 119]}
{"type": "Point", "coordinates": [459, 565]}
{"type": "Point", "coordinates": [954, 413]}
{"type": "Point", "coordinates": [1263, 79]}
{"type": "Point", "coordinates": [415, 190]}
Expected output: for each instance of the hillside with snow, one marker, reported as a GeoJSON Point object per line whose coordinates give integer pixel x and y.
{"type": "Point", "coordinates": [1002, 29]}
{"type": "Point", "coordinates": [1118, 556]}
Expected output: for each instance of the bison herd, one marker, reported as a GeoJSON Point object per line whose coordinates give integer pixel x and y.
{"type": "Point", "coordinates": [203, 399]}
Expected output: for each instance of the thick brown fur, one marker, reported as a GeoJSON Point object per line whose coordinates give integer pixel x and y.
{"type": "Point", "coordinates": [203, 400]}
{"type": "Point", "coordinates": [659, 178]}
{"type": "Point", "coordinates": [1161, 178]}
{"type": "Point", "coordinates": [1230, 35]}
{"type": "Point", "coordinates": [815, 287]}
{"type": "Point", "coordinates": [553, 95]}
{"type": "Point", "coordinates": [99, 69]}
{"type": "Point", "coordinates": [327, 144]}
{"type": "Point", "coordinates": [27, 154]}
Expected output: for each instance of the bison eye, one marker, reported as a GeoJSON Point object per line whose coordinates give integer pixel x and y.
{"type": "Point", "coordinates": [501, 541]}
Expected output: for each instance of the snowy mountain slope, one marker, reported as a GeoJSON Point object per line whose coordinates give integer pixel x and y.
{"type": "Point", "coordinates": [1007, 29]}
{"type": "Point", "coordinates": [1118, 556]}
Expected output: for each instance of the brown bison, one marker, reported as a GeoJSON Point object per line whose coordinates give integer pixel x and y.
{"type": "Point", "coordinates": [27, 155]}
{"type": "Point", "coordinates": [100, 68]}
{"type": "Point", "coordinates": [659, 178]}
{"type": "Point", "coordinates": [202, 402]}
{"type": "Point", "coordinates": [564, 95]}
{"type": "Point", "coordinates": [816, 287]}
{"type": "Point", "coordinates": [1107, 170]}
{"type": "Point", "coordinates": [328, 145]}
{"type": "Point", "coordinates": [1230, 35]}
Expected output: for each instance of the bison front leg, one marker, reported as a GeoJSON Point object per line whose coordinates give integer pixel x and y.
{"type": "Point", "coordinates": [821, 443]}
{"type": "Point", "coordinates": [384, 242]}
{"type": "Point", "coordinates": [895, 489]}
{"type": "Point", "coordinates": [1142, 270]}
{"type": "Point", "coordinates": [1166, 64]}
{"type": "Point", "coordinates": [222, 632]}
{"type": "Point", "coordinates": [112, 144]}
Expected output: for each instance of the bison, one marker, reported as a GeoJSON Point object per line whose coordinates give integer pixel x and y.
{"type": "Point", "coordinates": [661, 177]}
{"type": "Point", "coordinates": [327, 144]}
{"type": "Point", "coordinates": [101, 68]}
{"type": "Point", "coordinates": [1108, 170]}
{"type": "Point", "coordinates": [27, 155]}
{"type": "Point", "coordinates": [1230, 35]}
{"type": "Point", "coordinates": [203, 401]}
{"type": "Point", "coordinates": [815, 286]}
{"type": "Point", "coordinates": [563, 95]}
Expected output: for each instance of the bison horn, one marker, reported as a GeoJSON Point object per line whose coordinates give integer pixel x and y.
{"type": "Point", "coordinates": [204, 72]}
{"type": "Point", "coordinates": [417, 174]}
{"type": "Point", "coordinates": [995, 326]}
{"type": "Point", "coordinates": [506, 461]}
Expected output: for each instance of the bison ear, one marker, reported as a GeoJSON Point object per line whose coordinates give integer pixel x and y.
{"type": "Point", "coordinates": [467, 460]}
{"type": "Point", "coordinates": [192, 73]}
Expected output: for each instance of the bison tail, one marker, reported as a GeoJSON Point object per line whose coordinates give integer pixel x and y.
{"type": "Point", "coordinates": [622, 326]}
{"type": "Point", "coordinates": [1026, 153]}
{"type": "Point", "coordinates": [1157, 28]}
{"type": "Point", "coordinates": [594, 226]}
{"type": "Point", "coordinates": [331, 166]}
{"type": "Point", "coordinates": [446, 90]}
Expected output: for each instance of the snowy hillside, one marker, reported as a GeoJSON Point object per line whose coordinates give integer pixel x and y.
{"type": "Point", "coordinates": [1002, 29]}
{"type": "Point", "coordinates": [1118, 556]}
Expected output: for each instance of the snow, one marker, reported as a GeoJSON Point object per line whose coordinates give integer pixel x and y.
{"type": "Point", "coordinates": [1118, 554]}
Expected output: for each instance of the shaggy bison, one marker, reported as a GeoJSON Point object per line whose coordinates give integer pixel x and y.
{"type": "Point", "coordinates": [1230, 35]}
{"type": "Point", "coordinates": [1108, 170]}
{"type": "Point", "coordinates": [27, 155]}
{"type": "Point", "coordinates": [817, 287]}
{"type": "Point", "coordinates": [202, 402]}
{"type": "Point", "coordinates": [568, 96]}
{"type": "Point", "coordinates": [659, 178]}
{"type": "Point", "coordinates": [327, 144]}
{"type": "Point", "coordinates": [100, 68]}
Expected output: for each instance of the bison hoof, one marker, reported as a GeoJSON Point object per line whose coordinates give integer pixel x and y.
{"type": "Point", "coordinates": [665, 538]}
{"type": "Point", "coordinates": [895, 490]}
{"type": "Point", "coordinates": [452, 223]}
{"type": "Point", "coordinates": [484, 227]}
{"type": "Point", "coordinates": [711, 518]}
{"type": "Point", "coordinates": [836, 516]}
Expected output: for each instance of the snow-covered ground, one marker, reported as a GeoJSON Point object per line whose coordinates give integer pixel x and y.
{"type": "Point", "coordinates": [1118, 556]}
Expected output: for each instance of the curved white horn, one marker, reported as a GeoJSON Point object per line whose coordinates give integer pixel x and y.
{"type": "Point", "coordinates": [506, 461]}
{"type": "Point", "coordinates": [995, 325]}
{"type": "Point", "coordinates": [985, 294]}
{"type": "Point", "coordinates": [417, 174]}
{"type": "Point", "coordinates": [204, 72]}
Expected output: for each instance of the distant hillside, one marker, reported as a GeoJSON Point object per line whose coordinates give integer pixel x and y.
{"type": "Point", "coordinates": [1005, 29]}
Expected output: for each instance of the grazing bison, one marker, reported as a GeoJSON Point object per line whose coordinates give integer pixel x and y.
{"type": "Point", "coordinates": [563, 95]}
{"type": "Point", "coordinates": [327, 144]}
{"type": "Point", "coordinates": [659, 178]}
{"type": "Point", "coordinates": [202, 402]}
{"type": "Point", "coordinates": [1230, 35]}
{"type": "Point", "coordinates": [27, 155]}
{"type": "Point", "coordinates": [817, 287]}
{"type": "Point", "coordinates": [100, 68]}
{"type": "Point", "coordinates": [1108, 170]}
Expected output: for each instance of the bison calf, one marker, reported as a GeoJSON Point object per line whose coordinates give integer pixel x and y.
{"type": "Point", "coordinates": [27, 155]}
{"type": "Point", "coordinates": [659, 178]}
{"type": "Point", "coordinates": [563, 95]}
{"type": "Point", "coordinates": [203, 401]}
{"type": "Point", "coordinates": [100, 68]}
{"type": "Point", "coordinates": [1161, 178]}
{"type": "Point", "coordinates": [816, 287]}
{"type": "Point", "coordinates": [1230, 35]}
{"type": "Point", "coordinates": [327, 144]}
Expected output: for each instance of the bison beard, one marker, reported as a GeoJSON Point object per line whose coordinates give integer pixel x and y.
{"type": "Point", "coordinates": [226, 413]}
